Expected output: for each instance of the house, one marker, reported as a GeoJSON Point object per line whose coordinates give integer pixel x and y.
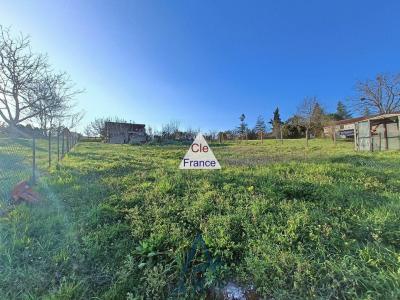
{"type": "Point", "coordinates": [343, 128]}
{"type": "Point", "coordinates": [124, 133]}
{"type": "Point", "coordinates": [378, 133]}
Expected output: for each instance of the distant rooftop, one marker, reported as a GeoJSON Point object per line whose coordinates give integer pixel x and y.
{"type": "Point", "coordinates": [124, 124]}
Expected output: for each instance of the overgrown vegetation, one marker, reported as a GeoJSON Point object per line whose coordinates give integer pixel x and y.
{"type": "Point", "coordinates": [120, 221]}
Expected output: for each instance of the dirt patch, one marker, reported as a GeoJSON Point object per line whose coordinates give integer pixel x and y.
{"type": "Point", "coordinates": [23, 192]}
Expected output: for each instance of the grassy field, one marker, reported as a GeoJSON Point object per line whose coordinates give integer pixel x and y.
{"type": "Point", "coordinates": [122, 222]}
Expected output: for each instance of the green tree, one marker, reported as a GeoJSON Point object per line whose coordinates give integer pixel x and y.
{"type": "Point", "coordinates": [276, 123]}
{"type": "Point", "coordinates": [242, 129]}
{"type": "Point", "coordinates": [293, 128]}
{"type": "Point", "coordinates": [318, 119]}
{"type": "Point", "coordinates": [260, 127]}
{"type": "Point", "coordinates": [341, 112]}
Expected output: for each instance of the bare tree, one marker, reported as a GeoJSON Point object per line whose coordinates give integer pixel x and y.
{"type": "Point", "coordinates": [330, 121]}
{"type": "Point", "coordinates": [381, 95]}
{"type": "Point", "coordinates": [72, 120]}
{"type": "Point", "coordinates": [260, 128]}
{"type": "Point", "coordinates": [54, 94]}
{"type": "Point", "coordinates": [191, 133]}
{"type": "Point", "coordinates": [97, 126]}
{"type": "Point", "coordinates": [306, 112]}
{"type": "Point", "coordinates": [87, 131]}
{"type": "Point", "coordinates": [170, 130]}
{"type": "Point", "coordinates": [149, 132]}
{"type": "Point", "coordinates": [20, 71]}
{"type": "Point", "coordinates": [212, 135]}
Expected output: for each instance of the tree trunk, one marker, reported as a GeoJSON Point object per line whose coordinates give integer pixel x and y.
{"type": "Point", "coordinates": [12, 127]}
{"type": "Point", "coordinates": [307, 137]}
{"type": "Point", "coordinates": [334, 136]}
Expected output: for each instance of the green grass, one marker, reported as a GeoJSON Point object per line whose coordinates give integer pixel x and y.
{"type": "Point", "coordinates": [16, 162]}
{"type": "Point", "coordinates": [119, 221]}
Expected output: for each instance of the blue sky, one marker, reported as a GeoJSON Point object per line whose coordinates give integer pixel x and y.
{"type": "Point", "coordinates": [206, 62]}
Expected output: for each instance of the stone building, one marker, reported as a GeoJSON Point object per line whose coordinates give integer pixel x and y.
{"type": "Point", "coordinates": [124, 133]}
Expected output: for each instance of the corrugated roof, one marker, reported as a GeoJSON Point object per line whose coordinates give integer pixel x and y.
{"type": "Point", "coordinates": [359, 119]}
{"type": "Point", "coordinates": [384, 116]}
{"type": "Point", "coordinates": [350, 121]}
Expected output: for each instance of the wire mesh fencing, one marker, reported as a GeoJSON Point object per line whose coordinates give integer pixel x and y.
{"type": "Point", "coordinates": [15, 163]}
{"type": "Point", "coordinates": [26, 158]}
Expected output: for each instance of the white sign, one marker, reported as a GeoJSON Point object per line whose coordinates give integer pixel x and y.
{"type": "Point", "coordinates": [199, 156]}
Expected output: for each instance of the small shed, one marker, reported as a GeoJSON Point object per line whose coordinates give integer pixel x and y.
{"type": "Point", "coordinates": [343, 128]}
{"type": "Point", "coordinates": [124, 133]}
{"type": "Point", "coordinates": [378, 133]}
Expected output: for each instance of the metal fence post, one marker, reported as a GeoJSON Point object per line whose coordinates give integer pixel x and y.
{"type": "Point", "coordinates": [49, 148]}
{"type": "Point", "coordinates": [67, 142]}
{"type": "Point", "coordinates": [33, 158]}
{"type": "Point", "coordinates": [58, 144]}
{"type": "Point", "coordinates": [62, 153]}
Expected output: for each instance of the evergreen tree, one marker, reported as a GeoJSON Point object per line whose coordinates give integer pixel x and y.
{"type": "Point", "coordinates": [276, 123]}
{"type": "Point", "coordinates": [317, 119]}
{"type": "Point", "coordinates": [341, 112]}
{"type": "Point", "coordinates": [260, 127]}
{"type": "Point", "coordinates": [242, 129]}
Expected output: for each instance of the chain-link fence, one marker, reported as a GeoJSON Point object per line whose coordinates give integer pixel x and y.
{"type": "Point", "coordinates": [25, 158]}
